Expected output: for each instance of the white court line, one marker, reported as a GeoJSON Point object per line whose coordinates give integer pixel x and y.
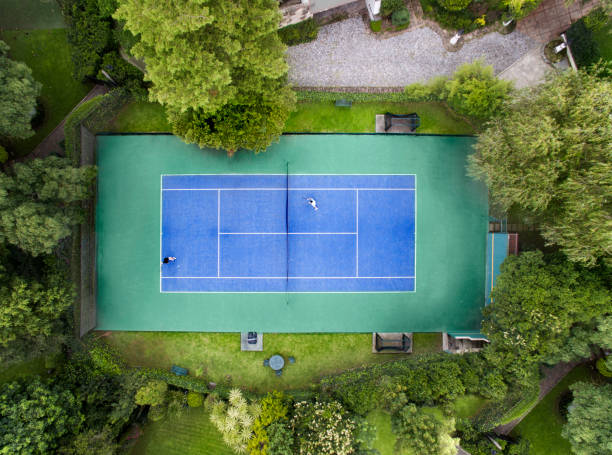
{"type": "Point", "coordinates": [218, 229]}
{"type": "Point", "coordinates": [289, 189]}
{"type": "Point", "coordinates": [285, 233]}
{"type": "Point", "coordinates": [161, 197]}
{"type": "Point", "coordinates": [357, 229]}
{"type": "Point", "coordinates": [291, 277]}
{"type": "Point", "coordinates": [325, 173]}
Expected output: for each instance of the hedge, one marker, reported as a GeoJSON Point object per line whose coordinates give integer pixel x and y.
{"type": "Point", "coordinates": [94, 114]}
{"type": "Point", "coordinates": [191, 383]}
{"type": "Point", "coordinates": [302, 32]}
{"type": "Point", "coordinates": [501, 412]}
{"type": "Point", "coordinates": [316, 96]}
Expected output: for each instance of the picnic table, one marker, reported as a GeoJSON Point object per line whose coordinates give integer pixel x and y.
{"type": "Point", "coordinates": [277, 362]}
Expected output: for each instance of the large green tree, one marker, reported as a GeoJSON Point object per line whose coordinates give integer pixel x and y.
{"type": "Point", "coordinates": [536, 302]}
{"type": "Point", "coordinates": [550, 155]}
{"type": "Point", "coordinates": [35, 416]}
{"type": "Point", "coordinates": [31, 309]}
{"type": "Point", "coordinates": [422, 432]}
{"type": "Point", "coordinates": [589, 426]}
{"type": "Point", "coordinates": [18, 92]}
{"type": "Point", "coordinates": [217, 66]}
{"type": "Point", "coordinates": [39, 202]}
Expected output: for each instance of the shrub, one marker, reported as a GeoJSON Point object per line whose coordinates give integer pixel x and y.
{"type": "Point", "coordinates": [376, 26]}
{"type": "Point", "coordinates": [455, 5]}
{"type": "Point", "coordinates": [195, 399]}
{"type": "Point", "coordinates": [123, 74]}
{"type": "Point", "coordinates": [152, 393]}
{"type": "Point", "coordinates": [235, 420]}
{"type": "Point", "coordinates": [106, 359]}
{"type": "Point", "coordinates": [421, 432]}
{"type": "Point", "coordinates": [176, 404]}
{"type": "Point", "coordinates": [596, 19]}
{"type": "Point", "coordinates": [388, 7]}
{"type": "Point", "coordinates": [475, 91]}
{"type": "Point", "coordinates": [603, 366]}
{"type": "Point", "coordinates": [274, 409]}
{"type": "Point", "coordinates": [323, 428]}
{"type": "Point", "coordinates": [302, 32]}
{"type": "Point", "coordinates": [584, 48]}
{"type": "Point", "coordinates": [401, 17]}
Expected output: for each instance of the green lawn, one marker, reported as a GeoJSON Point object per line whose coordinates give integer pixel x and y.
{"type": "Point", "coordinates": [191, 434]}
{"type": "Point", "coordinates": [30, 14]}
{"type": "Point", "coordinates": [468, 405]}
{"type": "Point", "coordinates": [46, 52]}
{"type": "Point", "coordinates": [139, 117]}
{"type": "Point", "coordinates": [426, 343]}
{"type": "Point", "coordinates": [604, 39]}
{"type": "Point", "coordinates": [219, 355]}
{"type": "Point", "coordinates": [385, 439]}
{"type": "Point", "coordinates": [311, 117]}
{"type": "Point", "coordinates": [543, 424]}
{"type": "Point", "coordinates": [319, 117]}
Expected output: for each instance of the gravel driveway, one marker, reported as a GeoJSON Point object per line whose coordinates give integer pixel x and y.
{"type": "Point", "coordinates": [346, 54]}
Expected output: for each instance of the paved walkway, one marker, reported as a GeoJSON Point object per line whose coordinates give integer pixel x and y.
{"type": "Point", "coordinates": [51, 143]}
{"type": "Point", "coordinates": [553, 17]}
{"type": "Point", "coordinates": [552, 377]}
{"type": "Point", "coordinates": [348, 54]}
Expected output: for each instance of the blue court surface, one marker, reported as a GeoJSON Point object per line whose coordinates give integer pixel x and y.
{"type": "Point", "coordinates": [257, 233]}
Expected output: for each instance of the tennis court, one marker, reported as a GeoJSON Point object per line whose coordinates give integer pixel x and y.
{"type": "Point", "coordinates": [397, 243]}
{"type": "Point", "coordinates": [258, 233]}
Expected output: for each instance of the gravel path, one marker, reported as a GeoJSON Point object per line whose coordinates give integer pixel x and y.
{"type": "Point", "coordinates": [346, 54]}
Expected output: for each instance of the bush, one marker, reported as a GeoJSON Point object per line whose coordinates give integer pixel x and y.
{"type": "Point", "coordinates": [401, 17]}
{"type": "Point", "coordinates": [596, 19]}
{"type": "Point", "coordinates": [376, 26]}
{"type": "Point", "coordinates": [302, 32]}
{"type": "Point", "coordinates": [455, 5]}
{"type": "Point", "coordinates": [123, 74]}
{"type": "Point", "coordinates": [475, 91]}
{"type": "Point", "coordinates": [388, 7]}
{"type": "Point", "coordinates": [602, 366]}
{"type": "Point", "coordinates": [152, 393]}
{"type": "Point", "coordinates": [584, 48]}
{"type": "Point", "coordinates": [195, 399]}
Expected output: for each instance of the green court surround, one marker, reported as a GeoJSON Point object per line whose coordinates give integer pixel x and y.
{"type": "Point", "coordinates": [452, 216]}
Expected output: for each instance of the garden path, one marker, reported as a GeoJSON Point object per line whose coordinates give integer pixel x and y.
{"type": "Point", "coordinates": [348, 54]}
{"type": "Point", "coordinates": [51, 144]}
{"type": "Point", "coordinates": [553, 17]}
{"type": "Point", "coordinates": [552, 376]}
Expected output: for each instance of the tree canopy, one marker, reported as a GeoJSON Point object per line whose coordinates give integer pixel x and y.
{"type": "Point", "coordinates": [39, 202]}
{"type": "Point", "coordinates": [217, 66]}
{"type": "Point", "coordinates": [550, 155]}
{"type": "Point", "coordinates": [18, 93]}
{"type": "Point", "coordinates": [535, 303]}
{"type": "Point", "coordinates": [423, 432]}
{"type": "Point", "coordinates": [589, 427]}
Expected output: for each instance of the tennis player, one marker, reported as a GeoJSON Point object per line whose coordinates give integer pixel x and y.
{"type": "Point", "coordinates": [312, 203]}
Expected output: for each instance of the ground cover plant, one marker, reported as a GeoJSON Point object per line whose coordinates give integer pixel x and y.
{"type": "Point", "coordinates": [47, 54]}
{"type": "Point", "coordinates": [544, 424]}
{"type": "Point", "coordinates": [217, 355]}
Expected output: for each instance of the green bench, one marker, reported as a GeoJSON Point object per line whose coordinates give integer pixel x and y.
{"type": "Point", "coordinates": [343, 103]}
